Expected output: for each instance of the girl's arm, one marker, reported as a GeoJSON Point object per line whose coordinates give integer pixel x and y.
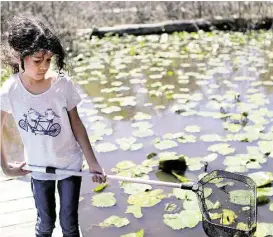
{"type": "Point", "coordinates": [9, 169]}
{"type": "Point", "coordinates": [81, 136]}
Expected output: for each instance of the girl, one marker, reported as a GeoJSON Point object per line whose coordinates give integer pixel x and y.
{"type": "Point", "coordinates": [44, 108]}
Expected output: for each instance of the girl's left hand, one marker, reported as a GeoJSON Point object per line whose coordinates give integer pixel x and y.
{"type": "Point", "coordinates": [16, 169]}
{"type": "Point", "coordinates": [99, 174]}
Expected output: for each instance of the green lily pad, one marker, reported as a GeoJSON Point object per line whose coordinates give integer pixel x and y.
{"type": "Point", "coordinates": [221, 148]}
{"type": "Point", "coordinates": [265, 191]}
{"type": "Point", "coordinates": [140, 233]}
{"type": "Point", "coordinates": [100, 187]}
{"type": "Point", "coordinates": [241, 197]}
{"type": "Point", "coordinates": [211, 205]}
{"type": "Point", "coordinates": [146, 199]}
{"type": "Point", "coordinates": [111, 109]}
{"type": "Point", "coordinates": [184, 219]}
{"type": "Point", "coordinates": [135, 210]}
{"type": "Point", "coordinates": [132, 188]}
{"type": "Point", "coordinates": [192, 128]}
{"type": "Point", "coordinates": [264, 229]}
{"type": "Point", "coordinates": [142, 116]}
{"type": "Point", "coordinates": [165, 144]}
{"type": "Point", "coordinates": [106, 147]}
{"type": "Point", "coordinates": [271, 206]}
{"type": "Point", "coordinates": [126, 164]}
{"type": "Point", "coordinates": [104, 200]}
{"type": "Point", "coordinates": [180, 177]}
{"type": "Point", "coordinates": [228, 217]}
{"type": "Point", "coordinates": [261, 178]}
{"type": "Point", "coordinates": [143, 132]}
{"type": "Point", "coordinates": [142, 125]}
{"type": "Point", "coordinates": [114, 221]}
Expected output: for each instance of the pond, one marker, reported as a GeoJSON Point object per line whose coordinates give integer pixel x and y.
{"type": "Point", "coordinates": [204, 96]}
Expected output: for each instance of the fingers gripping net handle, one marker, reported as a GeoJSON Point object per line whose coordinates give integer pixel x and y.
{"type": "Point", "coordinates": [230, 209]}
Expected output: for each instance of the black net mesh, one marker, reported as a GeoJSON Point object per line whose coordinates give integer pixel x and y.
{"type": "Point", "coordinates": [228, 204]}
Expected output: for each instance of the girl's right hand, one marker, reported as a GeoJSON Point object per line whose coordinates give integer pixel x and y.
{"type": "Point", "coordinates": [15, 169]}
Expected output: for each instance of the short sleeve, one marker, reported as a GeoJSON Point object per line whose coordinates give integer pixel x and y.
{"type": "Point", "coordinates": [73, 96]}
{"type": "Point", "coordinates": [4, 97]}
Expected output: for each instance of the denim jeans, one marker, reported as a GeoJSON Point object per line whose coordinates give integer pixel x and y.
{"type": "Point", "coordinates": [44, 196]}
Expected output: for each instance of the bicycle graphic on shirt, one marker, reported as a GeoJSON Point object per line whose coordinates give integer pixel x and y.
{"type": "Point", "coordinates": [41, 124]}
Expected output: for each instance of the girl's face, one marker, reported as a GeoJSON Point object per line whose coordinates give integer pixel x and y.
{"type": "Point", "coordinates": [37, 65]}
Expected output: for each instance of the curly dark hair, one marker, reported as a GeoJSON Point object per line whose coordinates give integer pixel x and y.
{"type": "Point", "coordinates": [27, 35]}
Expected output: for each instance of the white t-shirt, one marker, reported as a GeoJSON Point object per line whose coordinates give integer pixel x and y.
{"type": "Point", "coordinates": [44, 125]}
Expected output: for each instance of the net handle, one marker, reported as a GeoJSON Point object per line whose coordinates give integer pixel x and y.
{"type": "Point", "coordinates": [52, 170]}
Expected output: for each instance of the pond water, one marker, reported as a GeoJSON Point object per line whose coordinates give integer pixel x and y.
{"type": "Point", "coordinates": [185, 85]}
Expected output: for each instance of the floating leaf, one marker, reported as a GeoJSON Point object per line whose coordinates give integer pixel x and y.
{"type": "Point", "coordinates": [106, 147]}
{"type": "Point", "coordinates": [146, 199]}
{"type": "Point", "coordinates": [142, 125]}
{"type": "Point", "coordinates": [265, 191]}
{"type": "Point", "coordinates": [165, 144]}
{"type": "Point", "coordinates": [132, 188]}
{"type": "Point", "coordinates": [126, 164]}
{"type": "Point", "coordinates": [104, 200]}
{"type": "Point", "coordinates": [264, 229]}
{"type": "Point", "coordinates": [222, 148]}
{"type": "Point", "coordinates": [192, 128]}
{"type": "Point", "coordinates": [135, 210]}
{"type": "Point", "coordinates": [114, 221]}
{"type": "Point", "coordinates": [180, 177]}
{"type": "Point", "coordinates": [111, 109]}
{"type": "Point", "coordinates": [261, 178]}
{"type": "Point", "coordinates": [100, 187]}
{"type": "Point", "coordinates": [143, 132]}
{"type": "Point", "coordinates": [210, 138]}
{"type": "Point", "coordinates": [271, 206]}
{"type": "Point", "coordinates": [241, 197]}
{"type": "Point", "coordinates": [184, 219]}
{"type": "Point", "coordinates": [140, 233]}
{"type": "Point", "coordinates": [228, 217]}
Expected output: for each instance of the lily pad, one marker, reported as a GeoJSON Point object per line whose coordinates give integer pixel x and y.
{"type": "Point", "coordinates": [104, 200]}
{"type": "Point", "coordinates": [184, 219]}
{"type": "Point", "coordinates": [140, 233]}
{"type": "Point", "coordinates": [126, 164]}
{"type": "Point", "coordinates": [241, 197]}
{"type": "Point", "coordinates": [221, 148]}
{"type": "Point", "coordinates": [114, 221]}
{"type": "Point", "coordinates": [261, 178]}
{"type": "Point", "coordinates": [192, 128]}
{"type": "Point", "coordinates": [132, 188]}
{"type": "Point", "coordinates": [100, 187]}
{"type": "Point", "coordinates": [264, 229]}
{"type": "Point", "coordinates": [165, 144]}
{"type": "Point", "coordinates": [135, 210]}
{"type": "Point", "coordinates": [228, 217]}
{"type": "Point", "coordinates": [146, 199]}
{"type": "Point", "coordinates": [106, 147]}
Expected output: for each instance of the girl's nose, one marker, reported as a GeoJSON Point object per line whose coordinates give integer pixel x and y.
{"type": "Point", "coordinates": [43, 69]}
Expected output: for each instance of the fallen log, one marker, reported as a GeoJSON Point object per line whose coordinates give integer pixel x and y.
{"type": "Point", "coordinates": [236, 24]}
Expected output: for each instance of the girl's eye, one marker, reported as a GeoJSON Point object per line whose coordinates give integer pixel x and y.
{"type": "Point", "coordinates": [37, 61]}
